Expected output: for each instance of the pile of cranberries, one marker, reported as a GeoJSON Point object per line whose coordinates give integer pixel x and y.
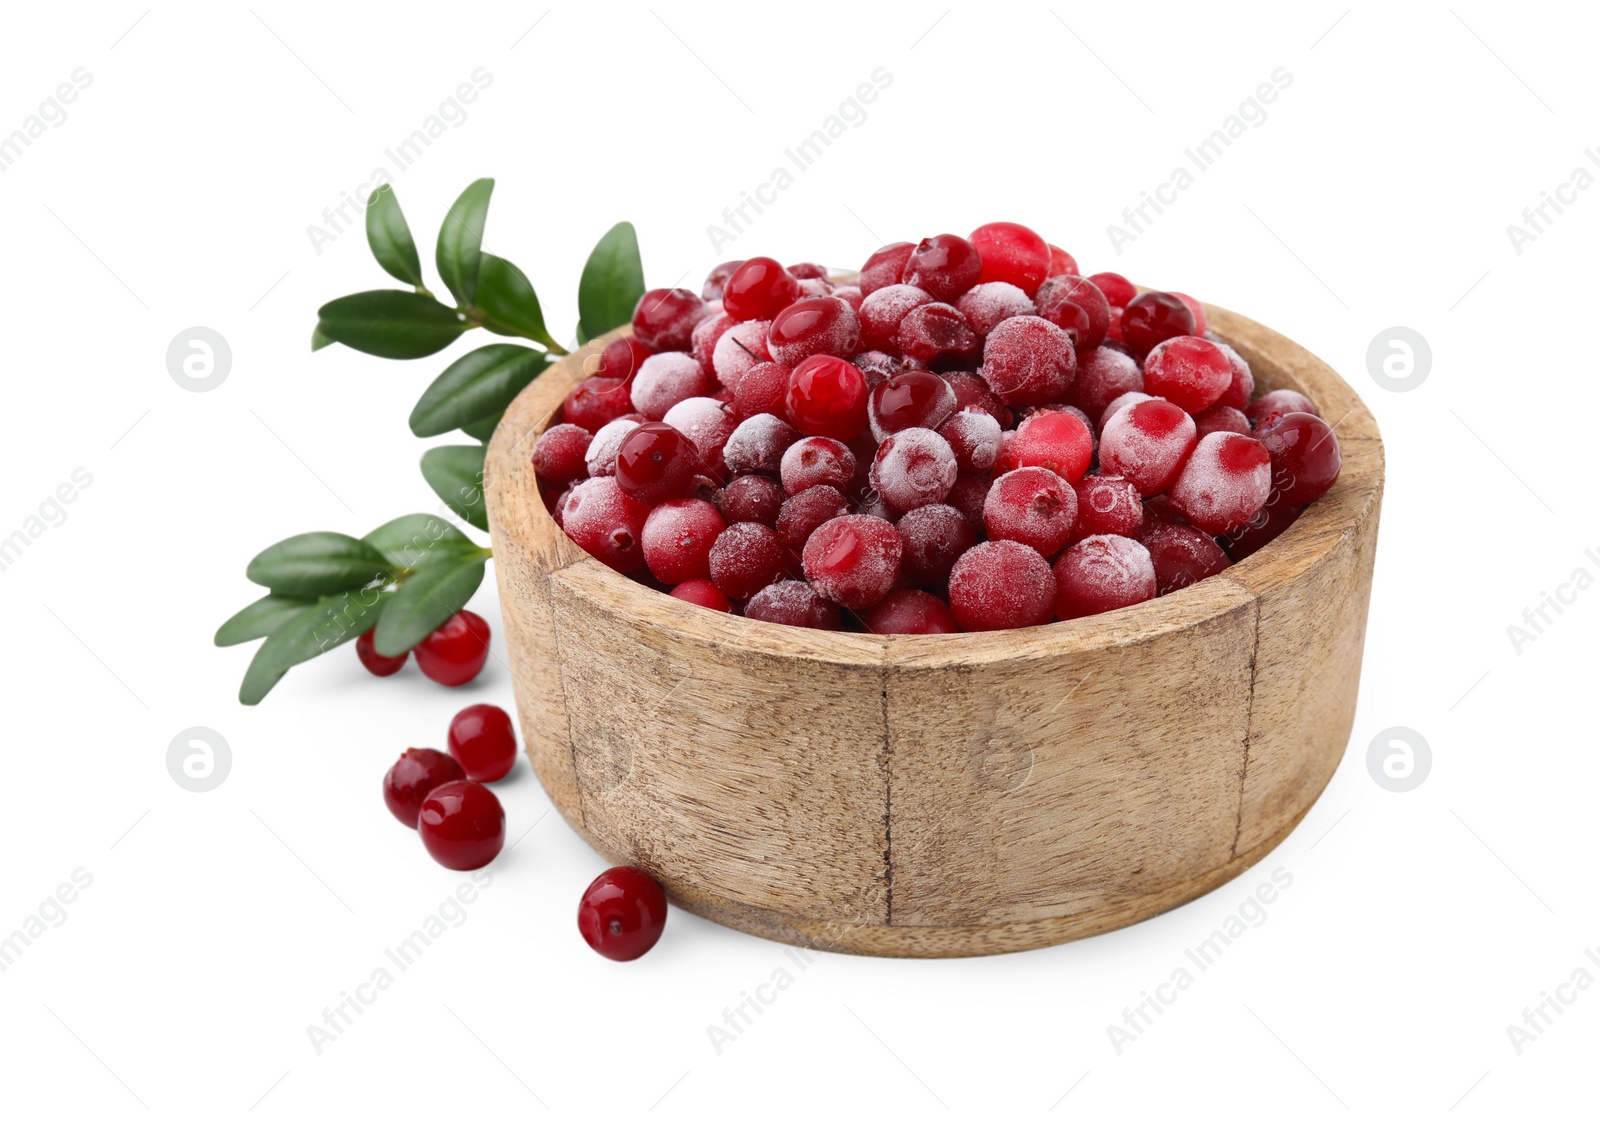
{"type": "Point", "coordinates": [463, 827]}
{"type": "Point", "coordinates": [970, 435]}
{"type": "Point", "coordinates": [452, 655]}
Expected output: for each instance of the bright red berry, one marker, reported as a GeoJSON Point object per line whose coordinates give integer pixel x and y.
{"type": "Point", "coordinates": [1196, 310]}
{"type": "Point", "coordinates": [1305, 456]}
{"type": "Point", "coordinates": [1118, 289]}
{"type": "Point", "coordinates": [1154, 318]}
{"type": "Point", "coordinates": [1032, 505]}
{"type": "Point", "coordinates": [1063, 263]}
{"type": "Point", "coordinates": [413, 777]}
{"type": "Point", "coordinates": [1059, 441]}
{"type": "Point", "coordinates": [665, 318]}
{"type": "Point", "coordinates": [1013, 254]}
{"type": "Point", "coordinates": [483, 742]}
{"type": "Point", "coordinates": [655, 463]}
{"type": "Point", "coordinates": [911, 611]}
{"type": "Point", "coordinates": [853, 560]}
{"type": "Point", "coordinates": [605, 522]}
{"type": "Point", "coordinates": [913, 399]}
{"type": "Point", "coordinates": [998, 585]}
{"type": "Point", "coordinates": [944, 266]}
{"type": "Point", "coordinates": [884, 267]}
{"type": "Point", "coordinates": [622, 914]}
{"type": "Point", "coordinates": [596, 402]}
{"type": "Point", "coordinates": [827, 397]}
{"type": "Point", "coordinates": [814, 325]}
{"type": "Point", "coordinates": [1102, 573]}
{"type": "Point", "coordinates": [1028, 360]}
{"type": "Point", "coordinates": [883, 311]}
{"type": "Point", "coordinates": [1191, 373]}
{"type": "Point", "coordinates": [817, 461]}
{"type": "Point", "coordinates": [702, 593]}
{"type": "Point", "coordinates": [462, 825]}
{"type": "Point", "coordinates": [622, 358]}
{"type": "Point", "coordinates": [677, 539]}
{"type": "Point", "coordinates": [1107, 504]}
{"type": "Point", "coordinates": [377, 664]}
{"type": "Point", "coordinates": [453, 654]}
{"type": "Point", "coordinates": [759, 289]}
{"type": "Point", "coordinates": [1147, 444]}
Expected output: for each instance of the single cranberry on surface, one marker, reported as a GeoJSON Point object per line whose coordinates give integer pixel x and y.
{"type": "Point", "coordinates": [1013, 254]}
{"type": "Point", "coordinates": [759, 289]}
{"type": "Point", "coordinates": [453, 654]}
{"type": "Point", "coordinates": [413, 777]}
{"type": "Point", "coordinates": [664, 318]}
{"type": "Point", "coordinates": [376, 663]}
{"type": "Point", "coordinates": [462, 825]}
{"type": "Point", "coordinates": [827, 397]}
{"type": "Point", "coordinates": [944, 266]}
{"type": "Point", "coordinates": [656, 462]}
{"type": "Point", "coordinates": [622, 914]}
{"type": "Point", "coordinates": [483, 742]}
{"type": "Point", "coordinates": [1152, 318]}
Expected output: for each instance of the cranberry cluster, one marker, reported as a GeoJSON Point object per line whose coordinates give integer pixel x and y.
{"type": "Point", "coordinates": [463, 827]}
{"type": "Point", "coordinates": [969, 436]}
{"type": "Point", "coordinates": [452, 655]}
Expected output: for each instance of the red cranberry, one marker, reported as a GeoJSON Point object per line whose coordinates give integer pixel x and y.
{"type": "Point", "coordinates": [717, 280]}
{"type": "Point", "coordinates": [751, 498]}
{"type": "Point", "coordinates": [666, 379]}
{"type": "Point", "coordinates": [1147, 444]}
{"type": "Point", "coordinates": [914, 399]}
{"type": "Point", "coordinates": [968, 496]}
{"type": "Point", "coordinates": [1181, 554]}
{"type": "Point", "coordinates": [1243, 385]}
{"type": "Point", "coordinates": [708, 423]}
{"type": "Point", "coordinates": [808, 270]}
{"type": "Point", "coordinates": [596, 402]}
{"type": "Point", "coordinates": [1305, 456]}
{"type": "Point", "coordinates": [944, 266]}
{"type": "Point", "coordinates": [453, 654]}
{"type": "Point", "coordinates": [677, 539]}
{"type": "Point", "coordinates": [814, 325]}
{"type": "Point", "coordinates": [987, 305]}
{"type": "Point", "coordinates": [741, 347]}
{"type": "Point", "coordinates": [664, 318]}
{"type": "Point", "coordinates": [853, 560]}
{"type": "Point", "coordinates": [1261, 530]}
{"type": "Point", "coordinates": [1059, 441]}
{"type": "Point", "coordinates": [974, 437]}
{"type": "Point", "coordinates": [462, 825]}
{"type": "Point", "coordinates": [827, 397]}
{"type": "Point", "coordinates": [605, 522]}
{"type": "Point", "coordinates": [702, 593]}
{"type": "Point", "coordinates": [882, 312]}
{"type": "Point", "coordinates": [1154, 318]}
{"type": "Point", "coordinates": [759, 289]}
{"type": "Point", "coordinates": [1103, 573]}
{"type": "Point", "coordinates": [1063, 263]}
{"type": "Point", "coordinates": [998, 585]}
{"type": "Point", "coordinates": [762, 389]}
{"type": "Point", "coordinates": [758, 444]}
{"type": "Point", "coordinates": [747, 557]}
{"type": "Point", "coordinates": [1279, 401]}
{"type": "Point", "coordinates": [809, 508]}
{"type": "Point", "coordinates": [1028, 361]}
{"type": "Point", "coordinates": [622, 914]}
{"type": "Point", "coordinates": [377, 664]}
{"type": "Point", "coordinates": [1077, 307]}
{"type": "Point", "coordinates": [1118, 289]}
{"type": "Point", "coordinates": [1033, 506]}
{"type": "Point", "coordinates": [1220, 418]}
{"type": "Point", "coordinates": [1013, 254]}
{"type": "Point", "coordinates": [707, 334]}
{"type": "Point", "coordinates": [937, 336]}
{"type": "Point", "coordinates": [413, 777]}
{"type": "Point", "coordinates": [884, 267]}
{"type": "Point", "coordinates": [972, 392]}
{"type": "Point", "coordinates": [1103, 375]}
{"type": "Point", "coordinates": [932, 539]}
{"type": "Point", "coordinates": [1226, 481]}
{"type": "Point", "coordinates": [911, 611]}
{"type": "Point", "coordinates": [656, 462]}
{"type": "Point", "coordinates": [622, 358]}
{"type": "Point", "coordinates": [851, 295]}
{"type": "Point", "coordinates": [1191, 373]}
{"type": "Point", "coordinates": [1107, 504]}
{"type": "Point", "coordinates": [1196, 310]}
{"type": "Point", "coordinates": [793, 603]}
{"type": "Point", "coordinates": [483, 742]}
{"type": "Point", "coordinates": [558, 454]}
{"type": "Point", "coordinates": [817, 461]}
{"type": "Point", "coordinates": [913, 467]}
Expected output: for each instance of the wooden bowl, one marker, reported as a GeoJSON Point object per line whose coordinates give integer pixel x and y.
{"type": "Point", "coordinates": [939, 796]}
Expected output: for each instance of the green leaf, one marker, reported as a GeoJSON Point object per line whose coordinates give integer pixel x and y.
{"type": "Point", "coordinates": [315, 564]}
{"type": "Point", "coordinates": [481, 430]}
{"type": "Point", "coordinates": [474, 386]}
{"type": "Point", "coordinates": [583, 336]}
{"type": "Point", "coordinates": [391, 324]}
{"type": "Point", "coordinates": [612, 282]}
{"type": "Point", "coordinates": [390, 237]}
{"type": "Point", "coordinates": [507, 298]}
{"type": "Point", "coordinates": [456, 475]}
{"type": "Point", "coordinates": [315, 629]}
{"type": "Point", "coordinates": [318, 339]}
{"type": "Point", "coordinates": [460, 249]}
{"type": "Point", "coordinates": [420, 540]}
{"type": "Point", "coordinates": [424, 602]}
{"type": "Point", "coordinates": [260, 619]}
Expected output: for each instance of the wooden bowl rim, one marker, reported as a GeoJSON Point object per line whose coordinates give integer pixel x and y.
{"type": "Point", "coordinates": [510, 478]}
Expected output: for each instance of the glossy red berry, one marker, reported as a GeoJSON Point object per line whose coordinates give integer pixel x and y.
{"type": "Point", "coordinates": [665, 318]}
{"type": "Point", "coordinates": [483, 742]}
{"type": "Point", "coordinates": [827, 397]}
{"type": "Point", "coordinates": [596, 402]}
{"type": "Point", "coordinates": [944, 266]}
{"type": "Point", "coordinates": [377, 664]}
{"type": "Point", "coordinates": [1305, 456]}
{"type": "Point", "coordinates": [462, 825]}
{"type": "Point", "coordinates": [1154, 318]}
{"type": "Point", "coordinates": [414, 776]}
{"type": "Point", "coordinates": [1196, 310]}
{"type": "Point", "coordinates": [759, 289]}
{"type": "Point", "coordinates": [937, 336]}
{"type": "Point", "coordinates": [1063, 263]}
{"type": "Point", "coordinates": [622, 914]}
{"type": "Point", "coordinates": [913, 399]}
{"type": "Point", "coordinates": [1059, 441]}
{"type": "Point", "coordinates": [1118, 289]}
{"type": "Point", "coordinates": [717, 280]}
{"type": "Point", "coordinates": [814, 325]}
{"type": "Point", "coordinates": [622, 358]}
{"type": "Point", "coordinates": [453, 654]}
{"type": "Point", "coordinates": [655, 463]}
{"type": "Point", "coordinates": [1011, 253]}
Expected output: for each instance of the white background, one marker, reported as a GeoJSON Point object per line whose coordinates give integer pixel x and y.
{"type": "Point", "coordinates": [178, 193]}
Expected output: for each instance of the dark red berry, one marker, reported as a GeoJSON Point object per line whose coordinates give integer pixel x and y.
{"type": "Point", "coordinates": [827, 397]}
{"type": "Point", "coordinates": [911, 611]}
{"type": "Point", "coordinates": [414, 776]}
{"type": "Point", "coordinates": [453, 654]}
{"type": "Point", "coordinates": [944, 266]}
{"type": "Point", "coordinates": [462, 825]}
{"type": "Point", "coordinates": [622, 914]}
{"type": "Point", "coordinates": [1077, 307]}
{"type": "Point", "coordinates": [597, 402]}
{"type": "Point", "coordinates": [483, 742]}
{"type": "Point", "coordinates": [759, 289]}
{"type": "Point", "coordinates": [1305, 456]}
{"type": "Point", "coordinates": [1118, 289]}
{"type": "Point", "coordinates": [656, 462]}
{"type": "Point", "coordinates": [751, 498]}
{"type": "Point", "coordinates": [622, 358]}
{"type": "Point", "coordinates": [717, 280]}
{"type": "Point", "coordinates": [665, 318]}
{"type": "Point", "coordinates": [376, 663]}
{"type": "Point", "coordinates": [1154, 318]}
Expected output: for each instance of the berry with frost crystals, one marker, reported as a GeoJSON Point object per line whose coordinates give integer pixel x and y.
{"type": "Point", "coordinates": [605, 522]}
{"type": "Point", "coordinates": [677, 539]}
{"type": "Point", "coordinates": [758, 444]}
{"type": "Point", "coordinates": [1220, 418]}
{"type": "Point", "coordinates": [1102, 573]}
{"type": "Point", "coordinates": [1147, 444]}
{"type": "Point", "coordinates": [816, 461]}
{"type": "Point", "coordinates": [974, 437]}
{"type": "Point", "coordinates": [999, 585]}
{"type": "Point", "coordinates": [911, 611]}
{"type": "Point", "coordinates": [1077, 307]}
{"type": "Point", "coordinates": [601, 456]}
{"type": "Point", "coordinates": [1107, 504]}
{"type": "Point", "coordinates": [1028, 361]}
{"type": "Point", "coordinates": [666, 379]}
{"type": "Point", "coordinates": [621, 358]}
{"type": "Point", "coordinates": [665, 318]}
{"type": "Point", "coordinates": [559, 455]}
{"type": "Point", "coordinates": [933, 538]}
{"type": "Point", "coordinates": [944, 266]}
{"type": "Point", "coordinates": [1225, 482]}
{"type": "Point", "coordinates": [1191, 373]}
{"type": "Point", "coordinates": [1118, 289]}
{"type": "Point", "coordinates": [1011, 254]}
{"type": "Point", "coordinates": [747, 557]}
{"type": "Point", "coordinates": [882, 311]}
{"type": "Point", "coordinates": [1181, 554]}
{"type": "Point", "coordinates": [762, 389]}
{"type": "Point", "coordinates": [794, 603]}
{"type": "Point", "coordinates": [853, 560]}
{"type": "Point", "coordinates": [751, 498]}
{"type": "Point", "coordinates": [1059, 441]}
{"type": "Point", "coordinates": [1032, 505]}
{"type": "Point", "coordinates": [717, 280]}
{"type": "Point", "coordinates": [1243, 385]}
{"type": "Point", "coordinates": [707, 333]}
{"type": "Point", "coordinates": [708, 423]}
{"type": "Point", "coordinates": [741, 347]}
{"type": "Point", "coordinates": [596, 402]}
{"type": "Point", "coordinates": [914, 467]}
{"type": "Point", "coordinates": [800, 515]}
{"type": "Point", "coordinates": [1279, 401]}
{"type": "Point", "coordinates": [815, 325]}
{"type": "Point", "coordinates": [937, 336]}
{"type": "Point", "coordinates": [986, 305]}
{"type": "Point", "coordinates": [884, 267]}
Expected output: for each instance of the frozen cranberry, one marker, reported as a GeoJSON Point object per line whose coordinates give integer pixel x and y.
{"type": "Point", "coordinates": [911, 611]}
{"type": "Point", "coordinates": [808, 270]}
{"type": "Point", "coordinates": [806, 510]}
{"type": "Point", "coordinates": [972, 392]}
{"type": "Point", "coordinates": [741, 348]}
{"type": "Point", "coordinates": [758, 444]}
{"type": "Point", "coordinates": [882, 311]}
{"type": "Point", "coordinates": [1191, 373]}
{"type": "Point", "coordinates": [884, 267]}
{"type": "Point", "coordinates": [707, 423]}
{"type": "Point", "coordinates": [664, 318]}
{"type": "Point", "coordinates": [1011, 254]}
{"type": "Point", "coordinates": [827, 397]}
{"type": "Point", "coordinates": [794, 603]}
{"type": "Point", "coordinates": [974, 438]}
{"type": "Point", "coordinates": [1243, 385]}
{"type": "Point", "coordinates": [986, 305]}
{"type": "Point", "coordinates": [1118, 289]}
{"type": "Point", "coordinates": [655, 462]}
{"type": "Point", "coordinates": [558, 454]}
{"type": "Point", "coordinates": [816, 461]}
{"type": "Point", "coordinates": [968, 495]}
{"type": "Point", "coordinates": [666, 379]}
{"type": "Point", "coordinates": [702, 593]}
{"type": "Point", "coordinates": [759, 289]}
{"type": "Point", "coordinates": [943, 266]}
{"type": "Point", "coordinates": [1114, 329]}
{"type": "Point", "coordinates": [1058, 441]}
{"type": "Point", "coordinates": [877, 367]}
{"type": "Point", "coordinates": [596, 402]}
{"type": "Point", "coordinates": [851, 295]}
{"type": "Point", "coordinates": [1279, 401]}
{"type": "Point", "coordinates": [1182, 555]}
{"type": "Point", "coordinates": [717, 280]}
{"type": "Point", "coordinates": [707, 334]}
{"type": "Point", "coordinates": [751, 498]}
{"type": "Point", "coordinates": [913, 467]}
{"type": "Point", "coordinates": [677, 539]}
{"type": "Point", "coordinates": [913, 399]}
{"type": "Point", "coordinates": [1028, 361]}
{"type": "Point", "coordinates": [1120, 402]}
{"type": "Point", "coordinates": [1261, 530]}
{"type": "Point", "coordinates": [1220, 418]}
{"type": "Point", "coordinates": [1305, 456]}
{"type": "Point", "coordinates": [413, 777]}
{"type": "Point", "coordinates": [1077, 307]}
{"type": "Point", "coordinates": [1152, 318]}
{"type": "Point", "coordinates": [815, 325]}
{"type": "Point", "coordinates": [1033, 506]}
{"type": "Point", "coordinates": [1226, 480]}
{"type": "Point", "coordinates": [606, 523]}
{"type": "Point", "coordinates": [483, 742]}
{"type": "Point", "coordinates": [377, 664]}
{"type": "Point", "coordinates": [747, 557]}
{"type": "Point", "coordinates": [762, 389]}
{"type": "Point", "coordinates": [1147, 444]}
{"type": "Point", "coordinates": [1107, 504]}
{"type": "Point", "coordinates": [462, 825]}
{"type": "Point", "coordinates": [1102, 573]}
{"type": "Point", "coordinates": [853, 560]}
{"type": "Point", "coordinates": [601, 456]}
{"type": "Point", "coordinates": [621, 358]}
{"type": "Point", "coordinates": [1196, 310]}
{"type": "Point", "coordinates": [932, 539]}
{"type": "Point", "coordinates": [1062, 263]}
{"type": "Point", "coordinates": [456, 651]}
{"type": "Point", "coordinates": [998, 585]}
{"type": "Point", "coordinates": [937, 336]}
{"type": "Point", "coordinates": [622, 914]}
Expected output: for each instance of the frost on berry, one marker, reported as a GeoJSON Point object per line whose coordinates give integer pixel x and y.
{"type": "Point", "coordinates": [1220, 418]}
{"type": "Point", "coordinates": [703, 342]}
{"type": "Point", "coordinates": [815, 325]}
{"type": "Point", "coordinates": [1028, 361]}
{"type": "Point", "coordinates": [876, 367]}
{"type": "Point", "coordinates": [740, 347]}
{"type": "Point", "coordinates": [1182, 555]}
{"type": "Point", "coordinates": [816, 461]}
{"type": "Point", "coordinates": [793, 603]}
{"type": "Point", "coordinates": [1279, 401]}
{"type": "Point", "coordinates": [882, 313]}
{"type": "Point", "coordinates": [751, 498]}
{"type": "Point", "coordinates": [933, 538]}
{"type": "Point", "coordinates": [605, 522]}
{"type": "Point", "coordinates": [1107, 504]}
{"type": "Point", "coordinates": [708, 423]}
{"type": "Point", "coordinates": [911, 399]}
{"type": "Point", "coordinates": [998, 585]}
{"type": "Point", "coordinates": [758, 444]}
{"type": "Point", "coordinates": [884, 267]}
{"type": "Point", "coordinates": [911, 611]}
{"type": "Point", "coordinates": [937, 336]}
{"type": "Point", "coordinates": [914, 467]}
{"type": "Point", "coordinates": [1243, 385]}
{"type": "Point", "coordinates": [1147, 444]}
{"type": "Point", "coordinates": [1032, 505]}
{"type": "Point", "coordinates": [559, 455]}
{"type": "Point", "coordinates": [677, 539]}
{"type": "Point", "coordinates": [1120, 402]}
{"type": "Point", "coordinates": [989, 303]}
{"type": "Point", "coordinates": [746, 557]}
{"type": "Point", "coordinates": [974, 437]}
{"type": "Point", "coordinates": [1077, 307]}
{"type": "Point", "coordinates": [1226, 481]}
{"type": "Point", "coordinates": [853, 560]}
{"type": "Point", "coordinates": [1103, 375]}
{"type": "Point", "coordinates": [800, 515]}
{"type": "Point", "coordinates": [665, 379]}
{"type": "Point", "coordinates": [1103, 573]}
{"type": "Point", "coordinates": [1191, 373]}
{"type": "Point", "coordinates": [601, 458]}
